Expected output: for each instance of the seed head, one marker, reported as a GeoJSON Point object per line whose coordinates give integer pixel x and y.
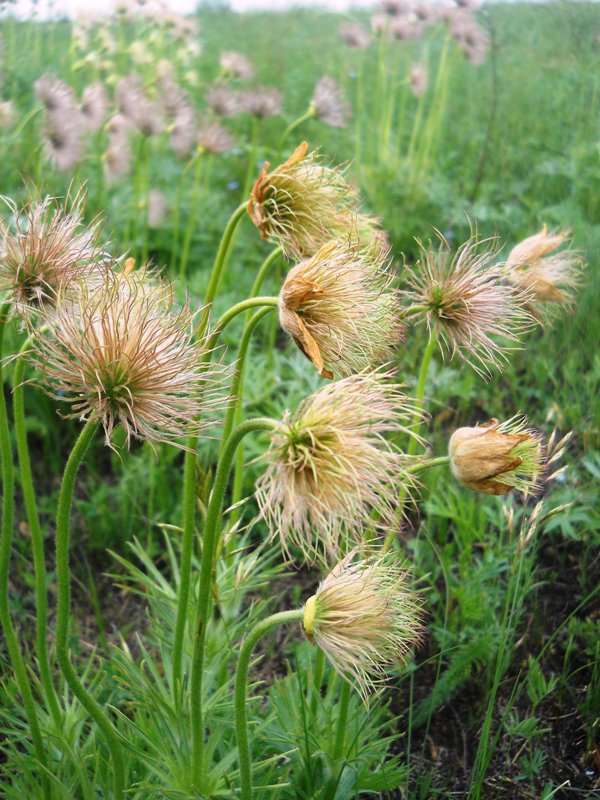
{"type": "Point", "coordinates": [464, 297]}
{"type": "Point", "coordinates": [137, 107]}
{"type": "Point", "coordinates": [262, 102]}
{"type": "Point", "coordinates": [497, 457]}
{"type": "Point", "coordinates": [94, 106]}
{"type": "Point", "coordinates": [354, 35]}
{"type": "Point", "coordinates": [332, 473]}
{"type": "Point", "coordinates": [43, 251]}
{"type": "Point", "coordinates": [547, 276]}
{"type": "Point", "coordinates": [236, 65]}
{"type": "Point", "coordinates": [56, 96]}
{"type": "Point", "coordinates": [8, 114]}
{"type": "Point", "coordinates": [328, 104]}
{"type": "Point", "coordinates": [119, 354]}
{"type": "Point", "coordinates": [214, 138]}
{"type": "Point", "coordinates": [223, 101]}
{"type": "Point", "coordinates": [418, 80]}
{"type": "Point", "coordinates": [340, 309]}
{"type": "Point", "coordinates": [183, 130]}
{"type": "Point", "coordinates": [302, 205]}
{"type": "Point", "coordinates": [62, 142]}
{"type": "Point", "coordinates": [366, 618]}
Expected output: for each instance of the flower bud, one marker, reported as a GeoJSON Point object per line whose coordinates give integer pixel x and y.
{"type": "Point", "coordinates": [497, 457]}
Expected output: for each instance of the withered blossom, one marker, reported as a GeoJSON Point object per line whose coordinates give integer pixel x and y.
{"type": "Point", "coordinates": [136, 106]}
{"type": "Point", "coordinates": [497, 457]}
{"type": "Point", "coordinates": [340, 309]}
{"type": "Point", "coordinates": [302, 204]}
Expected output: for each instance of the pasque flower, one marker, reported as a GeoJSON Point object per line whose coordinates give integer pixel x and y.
{"type": "Point", "coordinates": [464, 296]}
{"type": "Point", "coordinates": [121, 355]}
{"type": "Point", "coordinates": [497, 457]}
{"type": "Point", "coordinates": [366, 618]}
{"type": "Point", "coordinates": [302, 204]}
{"type": "Point", "coordinates": [332, 472]}
{"type": "Point", "coordinates": [340, 309]}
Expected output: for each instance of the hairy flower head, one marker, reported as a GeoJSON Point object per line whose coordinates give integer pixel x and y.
{"type": "Point", "coordinates": [340, 309]}
{"type": "Point", "coordinates": [235, 65]}
{"type": "Point", "coordinates": [120, 354]}
{"type": "Point", "coordinates": [546, 275]}
{"type": "Point", "coordinates": [497, 457]}
{"type": "Point", "coordinates": [94, 106]}
{"type": "Point", "coordinates": [366, 618]}
{"type": "Point", "coordinates": [354, 35]}
{"type": "Point", "coordinates": [328, 104]}
{"type": "Point", "coordinates": [302, 204]}
{"type": "Point", "coordinates": [43, 249]}
{"type": "Point", "coordinates": [464, 297]}
{"type": "Point", "coordinates": [332, 473]}
{"type": "Point", "coordinates": [262, 102]}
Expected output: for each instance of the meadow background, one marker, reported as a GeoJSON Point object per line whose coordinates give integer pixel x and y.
{"type": "Point", "coordinates": [503, 700]}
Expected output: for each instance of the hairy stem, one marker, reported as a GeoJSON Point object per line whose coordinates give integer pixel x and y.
{"type": "Point", "coordinates": [209, 547]}
{"type": "Point", "coordinates": [63, 524]}
{"type": "Point", "coordinates": [37, 540]}
{"type": "Point", "coordinates": [241, 692]}
{"type": "Point", "coordinates": [12, 642]}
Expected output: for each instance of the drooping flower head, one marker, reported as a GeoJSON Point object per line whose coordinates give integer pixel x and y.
{"type": "Point", "coordinates": [214, 138]}
{"type": "Point", "coordinates": [223, 101]}
{"type": "Point", "coordinates": [137, 107]}
{"type": "Point", "coordinates": [464, 297]}
{"type": "Point", "coordinates": [262, 102]}
{"type": "Point", "coordinates": [62, 141]}
{"type": "Point", "coordinates": [94, 106]}
{"type": "Point", "coordinates": [236, 65]}
{"type": "Point", "coordinates": [43, 249]}
{"type": "Point", "coordinates": [366, 618]}
{"type": "Point", "coordinates": [120, 355]}
{"type": "Point", "coordinates": [332, 473]}
{"type": "Point", "coordinates": [418, 80]}
{"type": "Point", "coordinates": [302, 204]}
{"type": "Point", "coordinates": [183, 130]}
{"type": "Point", "coordinates": [328, 104]}
{"type": "Point", "coordinates": [497, 457]}
{"type": "Point", "coordinates": [354, 35]}
{"type": "Point", "coordinates": [546, 275]}
{"type": "Point", "coordinates": [340, 309]}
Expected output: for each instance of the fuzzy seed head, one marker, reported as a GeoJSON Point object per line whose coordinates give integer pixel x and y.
{"type": "Point", "coordinates": [214, 138]}
{"type": "Point", "coordinates": [261, 102]}
{"type": "Point", "coordinates": [302, 205]}
{"type": "Point", "coordinates": [354, 35]}
{"type": "Point", "coordinates": [418, 80]}
{"type": "Point", "coordinates": [236, 65]}
{"type": "Point", "coordinates": [43, 250]}
{"type": "Point", "coordinates": [120, 354]}
{"type": "Point", "coordinates": [94, 106]}
{"type": "Point", "coordinates": [547, 276]}
{"type": "Point", "coordinates": [332, 473]}
{"type": "Point", "coordinates": [328, 104]}
{"type": "Point", "coordinates": [497, 457]}
{"type": "Point", "coordinates": [341, 311]}
{"type": "Point", "coordinates": [366, 618]}
{"type": "Point", "coordinates": [223, 101]}
{"type": "Point", "coordinates": [464, 297]}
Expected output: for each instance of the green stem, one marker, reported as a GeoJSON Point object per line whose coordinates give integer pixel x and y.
{"type": "Point", "coordinates": [310, 114]}
{"type": "Point", "coordinates": [241, 692]}
{"type": "Point", "coordinates": [423, 465]}
{"type": "Point", "coordinates": [317, 682]}
{"type": "Point", "coordinates": [217, 270]}
{"type": "Point", "coordinates": [37, 539]}
{"type": "Point", "coordinates": [413, 442]}
{"type": "Point", "coordinates": [12, 642]}
{"type": "Point", "coordinates": [264, 271]}
{"type": "Point", "coordinates": [239, 308]}
{"type": "Point", "coordinates": [63, 607]}
{"type": "Point", "coordinates": [209, 546]}
{"type": "Point", "coordinates": [340, 736]}
{"type": "Point", "coordinates": [251, 169]}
